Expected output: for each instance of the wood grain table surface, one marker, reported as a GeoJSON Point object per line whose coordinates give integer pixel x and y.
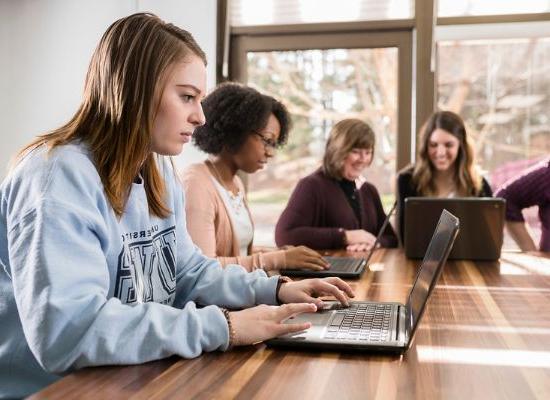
{"type": "Point", "coordinates": [485, 335]}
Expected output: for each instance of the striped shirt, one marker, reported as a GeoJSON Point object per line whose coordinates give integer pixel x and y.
{"type": "Point", "coordinates": [531, 188]}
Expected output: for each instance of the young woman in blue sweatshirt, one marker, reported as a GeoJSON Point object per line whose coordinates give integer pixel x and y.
{"type": "Point", "coordinates": [96, 265]}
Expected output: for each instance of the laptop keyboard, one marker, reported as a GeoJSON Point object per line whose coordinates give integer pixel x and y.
{"type": "Point", "coordinates": [344, 263]}
{"type": "Point", "coordinates": [365, 322]}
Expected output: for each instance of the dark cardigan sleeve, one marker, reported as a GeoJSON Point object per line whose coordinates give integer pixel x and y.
{"type": "Point", "coordinates": [526, 190]}
{"type": "Point", "coordinates": [388, 238]}
{"type": "Point", "coordinates": [296, 225]}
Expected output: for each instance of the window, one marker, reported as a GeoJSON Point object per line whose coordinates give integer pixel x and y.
{"type": "Point", "coordinates": [274, 12]}
{"type": "Point", "coordinates": [323, 78]}
{"type": "Point", "coordinates": [503, 99]}
{"type": "Point", "coordinates": [491, 67]}
{"type": "Point", "coordinates": [320, 88]}
{"type": "Point", "coordinates": [455, 8]}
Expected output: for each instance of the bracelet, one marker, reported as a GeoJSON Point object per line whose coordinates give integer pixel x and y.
{"type": "Point", "coordinates": [282, 279]}
{"type": "Point", "coordinates": [230, 328]}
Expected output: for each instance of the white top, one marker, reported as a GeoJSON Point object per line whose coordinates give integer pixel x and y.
{"type": "Point", "coordinates": [240, 218]}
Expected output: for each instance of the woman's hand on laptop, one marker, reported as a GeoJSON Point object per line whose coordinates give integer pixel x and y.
{"type": "Point", "coordinates": [359, 237]}
{"type": "Point", "coordinates": [359, 247]}
{"type": "Point", "coordinates": [308, 291]}
{"type": "Point", "coordinates": [264, 322]}
{"type": "Point", "coordinates": [302, 257]}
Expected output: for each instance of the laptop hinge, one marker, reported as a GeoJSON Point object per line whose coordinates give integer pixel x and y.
{"type": "Point", "coordinates": [398, 319]}
{"type": "Point", "coordinates": [360, 265]}
{"type": "Point", "coordinates": [402, 321]}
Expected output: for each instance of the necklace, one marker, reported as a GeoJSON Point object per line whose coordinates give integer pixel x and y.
{"type": "Point", "coordinates": [445, 186]}
{"type": "Point", "coordinates": [235, 199]}
{"type": "Point", "coordinates": [218, 177]}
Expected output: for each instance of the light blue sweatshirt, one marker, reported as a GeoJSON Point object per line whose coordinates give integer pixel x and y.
{"type": "Point", "coordinates": [80, 287]}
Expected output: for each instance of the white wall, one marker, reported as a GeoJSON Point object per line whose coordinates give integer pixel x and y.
{"type": "Point", "coordinates": [45, 48]}
{"type": "Point", "coordinates": [198, 17]}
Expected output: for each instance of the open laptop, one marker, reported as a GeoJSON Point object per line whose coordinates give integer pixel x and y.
{"type": "Point", "coordinates": [377, 326]}
{"type": "Point", "coordinates": [481, 226]}
{"type": "Point", "coordinates": [343, 267]}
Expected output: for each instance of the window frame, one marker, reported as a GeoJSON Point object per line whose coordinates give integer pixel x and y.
{"type": "Point", "coordinates": [396, 33]}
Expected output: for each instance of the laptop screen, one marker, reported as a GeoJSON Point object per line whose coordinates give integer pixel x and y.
{"type": "Point", "coordinates": [431, 267]}
{"type": "Point", "coordinates": [381, 233]}
{"type": "Point", "coordinates": [481, 226]}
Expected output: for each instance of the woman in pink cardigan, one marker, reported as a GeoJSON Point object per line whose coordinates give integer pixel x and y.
{"type": "Point", "coordinates": [243, 128]}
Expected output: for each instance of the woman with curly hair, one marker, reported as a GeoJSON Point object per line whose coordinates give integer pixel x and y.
{"type": "Point", "coordinates": [243, 128]}
{"type": "Point", "coordinates": [335, 207]}
{"type": "Point", "coordinates": [445, 165]}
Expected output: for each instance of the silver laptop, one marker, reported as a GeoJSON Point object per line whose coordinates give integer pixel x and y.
{"type": "Point", "coordinates": [377, 326]}
{"type": "Point", "coordinates": [481, 226]}
{"type": "Point", "coordinates": [343, 267]}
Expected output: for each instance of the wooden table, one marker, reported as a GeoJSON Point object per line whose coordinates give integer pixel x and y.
{"type": "Point", "coordinates": [485, 334]}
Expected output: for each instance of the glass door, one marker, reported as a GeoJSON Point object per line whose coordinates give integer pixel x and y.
{"type": "Point", "coordinates": [321, 86]}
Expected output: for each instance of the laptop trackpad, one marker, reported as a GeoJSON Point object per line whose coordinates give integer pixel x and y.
{"type": "Point", "coordinates": [318, 318]}
{"type": "Point", "coordinates": [319, 321]}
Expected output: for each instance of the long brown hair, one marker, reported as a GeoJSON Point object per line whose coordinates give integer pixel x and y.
{"type": "Point", "coordinates": [121, 97]}
{"type": "Point", "coordinates": [467, 179]}
{"type": "Point", "coordinates": [345, 136]}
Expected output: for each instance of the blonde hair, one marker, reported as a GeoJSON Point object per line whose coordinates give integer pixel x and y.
{"type": "Point", "coordinates": [121, 97]}
{"type": "Point", "coordinates": [468, 181]}
{"type": "Point", "coordinates": [345, 136]}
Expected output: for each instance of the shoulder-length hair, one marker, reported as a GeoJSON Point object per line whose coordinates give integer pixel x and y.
{"type": "Point", "coordinates": [123, 87]}
{"type": "Point", "coordinates": [467, 179]}
{"type": "Point", "coordinates": [345, 136]}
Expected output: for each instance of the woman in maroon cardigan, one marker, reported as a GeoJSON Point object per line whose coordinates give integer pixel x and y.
{"type": "Point", "coordinates": [332, 208]}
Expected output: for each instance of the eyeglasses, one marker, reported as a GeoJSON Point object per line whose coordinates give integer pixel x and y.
{"type": "Point", "coordinates": [268, 143]}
